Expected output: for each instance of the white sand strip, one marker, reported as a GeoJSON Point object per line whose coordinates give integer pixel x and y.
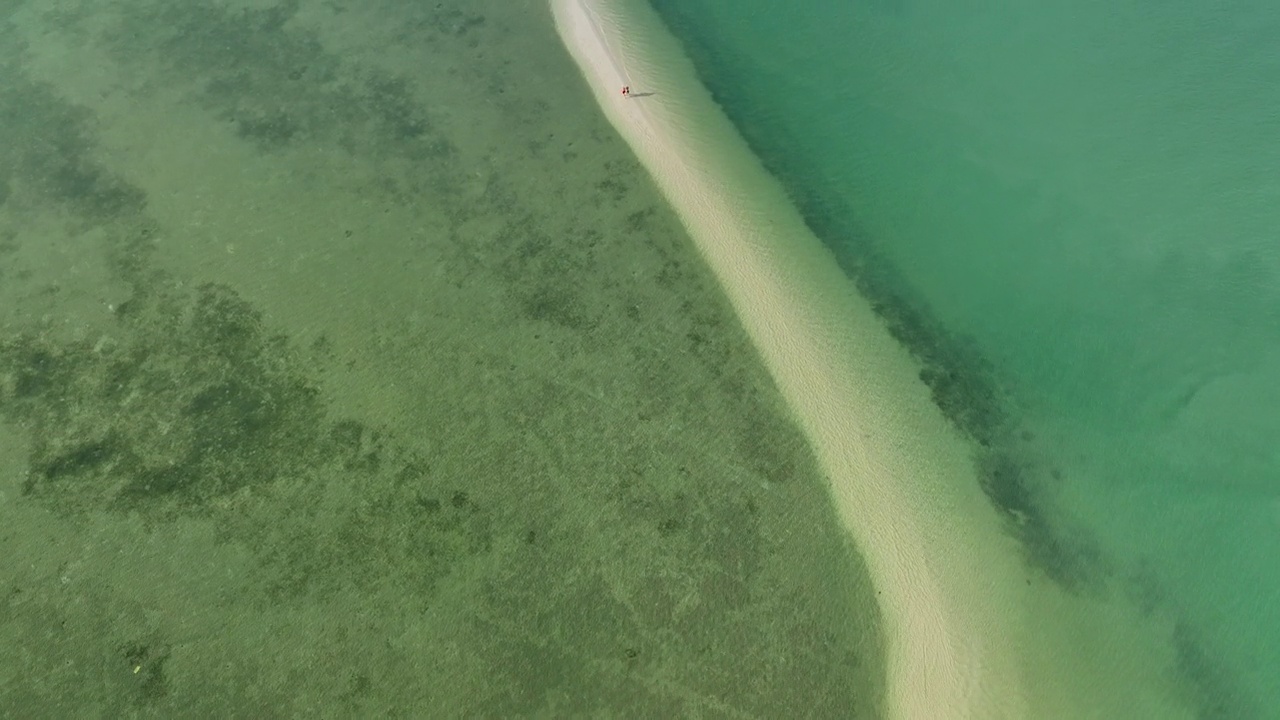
{"type": "Point", "coordinates": [898, 473]}
{"type": "Point", "coordinates": [971, 633]}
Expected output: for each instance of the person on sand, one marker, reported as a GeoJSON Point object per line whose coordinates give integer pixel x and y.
{"type": "Point", "coordinates": [626, 90]}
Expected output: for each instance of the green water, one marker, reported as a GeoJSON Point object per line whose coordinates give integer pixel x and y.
{"type": "Point", "coordinates": [352, 367]}
{"type": "Point", "coordinates": [1074, 206]}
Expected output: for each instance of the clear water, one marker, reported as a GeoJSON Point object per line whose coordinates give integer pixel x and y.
{"type": "Point", "coordinates": [351, 367]}
{"type": "Point", "coordinates": [1089, 195]}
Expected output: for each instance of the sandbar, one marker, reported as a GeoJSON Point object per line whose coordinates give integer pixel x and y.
{"type": "Point", "coordinates": [962, 612]}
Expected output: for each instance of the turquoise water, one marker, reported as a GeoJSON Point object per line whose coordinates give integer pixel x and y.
{"type": "Point", "coordinates": [1069, 210]}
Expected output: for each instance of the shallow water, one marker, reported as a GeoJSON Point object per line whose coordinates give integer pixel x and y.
{"type": "Point", "coordinates": [1069, 212]}
{"type": "Point", "coordinates": [351, 366]}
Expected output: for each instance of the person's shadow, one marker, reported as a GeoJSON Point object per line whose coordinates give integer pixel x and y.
{"type": "Point", "coordinates": [643, 94]}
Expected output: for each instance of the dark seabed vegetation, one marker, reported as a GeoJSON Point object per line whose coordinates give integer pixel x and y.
{"type": "Point", "coordinates": [350, 365]}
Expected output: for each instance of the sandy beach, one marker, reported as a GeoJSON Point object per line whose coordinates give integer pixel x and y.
{"type": "Point", "coordinates": [958, 602]}
{"type": "Point", "coordinates": [841, 372]}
